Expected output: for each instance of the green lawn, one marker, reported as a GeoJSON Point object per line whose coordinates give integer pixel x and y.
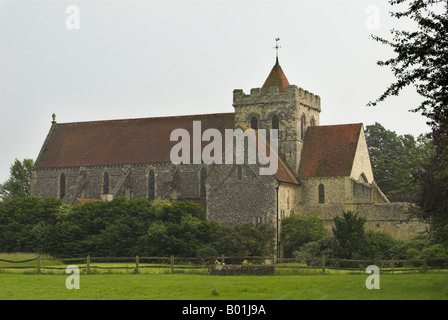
{"type": "Point", "coordinates": [192, 287]}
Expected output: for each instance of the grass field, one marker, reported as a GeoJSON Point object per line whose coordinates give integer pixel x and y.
{"type": "Point", "coordinates": [205, 287]}
{"type": "Point", "coordinates": [161, 284]}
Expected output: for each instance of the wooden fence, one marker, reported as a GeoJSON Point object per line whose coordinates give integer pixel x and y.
{"type": "Point", "coordinates": [137, 264]}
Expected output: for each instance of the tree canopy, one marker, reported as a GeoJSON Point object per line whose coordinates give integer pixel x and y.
{"type": "Point", "coordinates": [421, 60]}
{"type": "Point", "coordinates": [395, 159]}
{"type": "Point", "coordinates": [18, 184]}
{"type": "Point", "coordinates": [124, 228]}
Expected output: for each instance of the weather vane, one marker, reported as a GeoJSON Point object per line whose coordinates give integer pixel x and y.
{"type": "Point", "coordinates": [276, 48]}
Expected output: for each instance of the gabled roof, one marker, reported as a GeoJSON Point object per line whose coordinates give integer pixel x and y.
{"type": "Point", "coordinates": [113, 142]}
{"type": "Point", "coordinates": [276, 78]}
{"type": "Point", "coordinates": [329, 151]}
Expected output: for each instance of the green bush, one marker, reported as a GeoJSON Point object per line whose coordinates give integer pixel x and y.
{"type": "Point", "coordinates": [379, 245]}
{"type": "Point", "coordinates": [299, 230]}
{"type": "Point", "coordinates": [123, 228]}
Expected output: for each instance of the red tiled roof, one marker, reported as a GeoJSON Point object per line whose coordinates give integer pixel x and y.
{"type": "Point", "coordinates": [276, 78]}
{"type": "Point", "coordinates": [129, 141]}
{"type": "Point", "coordinates": [329, 151]}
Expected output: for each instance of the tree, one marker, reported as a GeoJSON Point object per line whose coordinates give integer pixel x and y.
{"type": "Point", "coordinates": [422, 61]}
{"type": "Point", "coordinates": [395, 158]}
{"type": "Point", "coordinates": [349, 233]}
{"type": "Point", "coordinates": [422, 57]}
{"type": "Point", "coordinates": [18, 184]}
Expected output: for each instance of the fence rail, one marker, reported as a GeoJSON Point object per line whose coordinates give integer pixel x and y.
{"type": "Point", "coordinates": [138, 263]}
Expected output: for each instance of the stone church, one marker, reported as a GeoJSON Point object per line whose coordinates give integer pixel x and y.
{"type": "Point", "coordinates": [322, 169]}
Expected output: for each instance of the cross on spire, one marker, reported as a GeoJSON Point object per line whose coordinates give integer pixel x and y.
{"type": "Point", "coordinates": [276, 49]}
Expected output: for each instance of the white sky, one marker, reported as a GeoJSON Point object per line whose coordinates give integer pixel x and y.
{"type": "Point", "coordinates": [133, 59]}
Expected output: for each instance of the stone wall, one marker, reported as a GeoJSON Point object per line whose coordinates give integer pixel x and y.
{"type": "Point", "coordinates": [288, 195]}
{"type": "Point", "coordinates": [394, 218]}
{"type": "Point", "coordinates": [344, 193]}
{"type": "Point", "coordinates": [129, 181]}
{"type": "Point", "coordinates": [234, 199]}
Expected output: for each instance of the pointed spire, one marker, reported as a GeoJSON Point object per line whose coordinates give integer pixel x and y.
{"type": "Point", "coordinates": [277, 77]}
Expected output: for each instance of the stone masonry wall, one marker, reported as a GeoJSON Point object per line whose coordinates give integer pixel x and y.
{"type": "Point", "coordinates": [232, 201]}
{"type": "Point", "coordinates": [344, 193]}
{"type": "Point", "coordinates": [171, 181]}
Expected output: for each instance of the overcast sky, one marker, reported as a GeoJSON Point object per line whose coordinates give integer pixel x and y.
{"type": "Point", "coordinates": [132, 59]}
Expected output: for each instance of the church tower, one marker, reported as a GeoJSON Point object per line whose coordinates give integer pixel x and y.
{"type": "Point", "coordinates": [279, 105]}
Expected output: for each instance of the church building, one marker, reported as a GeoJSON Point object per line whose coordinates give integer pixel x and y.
{"type": "Point", "coordinates": [322, 169]}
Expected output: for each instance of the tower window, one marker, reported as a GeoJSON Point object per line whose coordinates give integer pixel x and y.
{"type": "Point", "coordinates": [254, 123]}
{"type": "Point", "coordinates": [202, 189]}
{"type": "Point", "coordinates": [62, 186]}
{"type": "Point", "coordinates": [312, 122]}
{"type": "Point", "coordinates": [275, 123]}
{"type": "Point", "coordinates": [106, 182]}
{"type": "Point", "coordinates": [302, 127]}
{"type": "Point", "coordinates": [151, 185]}
{"type": "Point", "coordinates": [321, 193]}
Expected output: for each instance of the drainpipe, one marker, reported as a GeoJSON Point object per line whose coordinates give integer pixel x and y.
{"type": "Point", "coordinates": [278, 241]}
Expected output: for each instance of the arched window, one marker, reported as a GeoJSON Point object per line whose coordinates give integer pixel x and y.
{"type": "Point", "coordinates": [202, 190]}
{"type": "Point", "coordinates": [106, 182]}
{"type": "Point", "coordinates": [275, 123]}
{"type": "Point", "coordinates": [240, 172]}
{"type": "Point", "coordinates": [302, 126]}
{"type": "Point", "coordinates": [254, 123]}
{"type": "Point", "coordinates": [312, 122]}
{"type": "Point", "coordinates": [151, 185]}
{"type": "Point", "coordinates": [321, 193]}
{"type": "Point", "coordinates": [62, 186]}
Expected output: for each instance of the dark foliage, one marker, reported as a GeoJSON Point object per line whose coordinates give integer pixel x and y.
{"type": "Point", "coordinates": [123, 228]}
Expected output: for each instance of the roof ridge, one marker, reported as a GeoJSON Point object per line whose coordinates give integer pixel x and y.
{"type": "Point", "coordinates": [148, 118]}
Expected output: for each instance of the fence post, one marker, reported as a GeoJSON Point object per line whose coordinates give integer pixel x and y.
{"type": "Point", "coordinates": [38, 263]}
{"type": "Point", "coordinates": [323, 264]}
{"type": "Point", "coordinates": [137, 260]}
{"type": "Point", "coordinates": [88, 264]}
{"type": "Point", "coordinates": [222, 259]}
{"type": "Point", "coordinates": [172, 264]}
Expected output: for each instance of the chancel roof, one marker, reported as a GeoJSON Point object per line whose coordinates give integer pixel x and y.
{"type": "Point", "coordinates": [329, 151]}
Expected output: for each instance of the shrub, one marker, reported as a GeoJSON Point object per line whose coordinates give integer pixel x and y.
{"type": "Point", "coordinates": [299, 230]}
{"type": "Point", "coordinates": [123, 228]}
{"type": "Point", "coordinates": [379, 245]}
